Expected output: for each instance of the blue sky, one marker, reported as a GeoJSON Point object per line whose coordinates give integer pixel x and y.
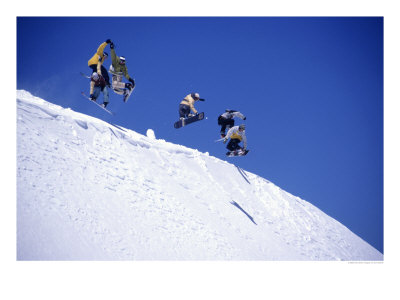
{"type": "Point", "coordinates": [311, 89]}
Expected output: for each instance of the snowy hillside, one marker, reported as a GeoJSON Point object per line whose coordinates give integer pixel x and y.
{"type": "Point", "coordinates": [89, 190]}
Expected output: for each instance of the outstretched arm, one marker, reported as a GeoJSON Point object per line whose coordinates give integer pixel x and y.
{"type": "Point", "coordinates": [101, 48]}
{"type": "Point", "coordinates": [228, 135]}
{"type": "Point", "coordinates": [99, 63]}
{"type": "Point", "coordinates": [114, 58]}
{"type": "Point", "coordinates": [239, 115]}
{"type": "Point", "coordinates": [244, 141]}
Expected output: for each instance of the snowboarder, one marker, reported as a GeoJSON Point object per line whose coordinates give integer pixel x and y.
{"type": "Point", "coordinates": [97, 60]}
{"type": "Point", "coordinates": [118, 69]}
{"type": "Point", "coordinates": [226, 120]}
{"type": "Point", "coordinates": [97, 85]}
{"type": "Point", "coordinates": [187, 105]}
{"type": "Point", "coordinates": [236, 135]}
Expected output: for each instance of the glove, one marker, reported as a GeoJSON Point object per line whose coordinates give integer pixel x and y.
{"type": "Point", "coordinates": [225, 139]}
{"type": "Point", "coordinates": [244, 118]}
{"type": "Point", "coordinates": [201, 99]}
{"type": "Point", "coordinates": [108, 41]}
{"type": "Point", "coordinates": [111, 45]}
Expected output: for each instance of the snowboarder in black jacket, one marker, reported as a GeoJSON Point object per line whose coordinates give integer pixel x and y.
{"type": "Point", "coordinates": [226, 120]}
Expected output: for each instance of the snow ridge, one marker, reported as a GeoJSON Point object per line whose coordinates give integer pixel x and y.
{"type": "Point", "coordinates": [90, 190]}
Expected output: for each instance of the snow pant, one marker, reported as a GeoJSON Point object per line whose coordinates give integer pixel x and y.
{"type": "Point", "coordinates": [225, 123]}
{"type": "Point", "coordinates": [118, 86]}
{"type": "Point", "coordinates": [184, 110]}
{"type": "Point", "coordinates": [97, 90]}
{"type": "Point", "coordinates": [104, 73]}
{"type": "Point", "coordinates": [233, 145]}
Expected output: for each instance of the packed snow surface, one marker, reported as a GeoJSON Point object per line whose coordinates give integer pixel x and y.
{"type": "Point", "coordinates": [90, 190]}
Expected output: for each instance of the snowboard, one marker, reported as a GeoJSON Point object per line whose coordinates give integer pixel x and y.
{"type": "Point", "coordinates": [127, 94]}
{"type": "Point", "coordinates": [84, 75]}
{"type": "Point", "coordinates": [189, 120]}
{"type": "Point", "coordinates": [239, 152]}
{"type": "Point", "coordinates": [84, 95]}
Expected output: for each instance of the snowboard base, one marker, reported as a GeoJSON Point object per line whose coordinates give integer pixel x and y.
{"type": "Point", "coordinates": [239, 152]}
{"type": "Point", "coordinates": [84, 95]}
{"type": "Point", "coordinates": [189, 120]}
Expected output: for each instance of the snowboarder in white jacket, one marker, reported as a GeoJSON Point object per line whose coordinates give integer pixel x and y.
{"type": "Point", "coordinates": [226, 120]}
{"type": "Point", "coordinates": [118, 69]}
{"type": "Point", "coordinates": [236, 134]}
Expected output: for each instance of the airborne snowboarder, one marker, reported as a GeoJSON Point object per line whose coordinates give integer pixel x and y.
{"type": "Point", "coordinates": [118, 69]}
{"type": "Point", "coordinates": [97, 85]}
{"type": "Point", "coordinates": [226, 120]}
{"type": "Point", "coordinates": [187, 105]}
{"type": "Point", "coordinates": [236, 135]}
{"type": "Point", "coordinates": [97, 60]}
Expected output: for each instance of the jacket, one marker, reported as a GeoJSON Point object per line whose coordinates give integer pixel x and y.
{"type": "Point", "coordinates": [98, 56]}
{"type": "Point", "coordinates": [230, 114]}
{"type": "Point", "coordinates": [189, 100]}
{"type": "Point", "coordinates": [97, 83]}
{"type": "Point", "coordinates": [234, 133]}
{"type": "Point", "coordinates": [117, 67]}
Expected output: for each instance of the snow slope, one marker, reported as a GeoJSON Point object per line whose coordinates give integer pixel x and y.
{"type": "Point", "coordinates": [90, 190]}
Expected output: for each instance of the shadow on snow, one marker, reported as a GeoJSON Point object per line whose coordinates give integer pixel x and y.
{"type": "Point", "coordinates": [238, 206]}
{"type": "Point", "coordinates": [243, 173]}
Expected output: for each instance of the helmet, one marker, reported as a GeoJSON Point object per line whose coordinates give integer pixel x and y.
{"type": "Point", "coordinates": [242, 126]}
{"type": "Point", "coordinates": [196, 96]}
{"type": "Point", "coordinates": [95, 76]}
{"type": "Point", "coordinates": [122, 60]}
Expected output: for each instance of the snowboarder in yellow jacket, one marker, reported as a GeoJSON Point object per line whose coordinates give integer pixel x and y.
{"type": "Point", "coordinates": [187, 105]}
{"type": "Point", "coordinates": [97, 60]}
